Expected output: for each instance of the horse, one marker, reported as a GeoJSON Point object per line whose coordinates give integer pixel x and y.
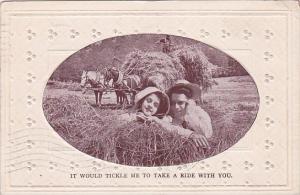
{"type": "Point", "coordinates": [96, 80]}
{"type": "Point", "coordinates": [123, 84]}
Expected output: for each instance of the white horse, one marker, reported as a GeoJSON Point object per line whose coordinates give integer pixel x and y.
{"type": "Point", "coordinates": [96, 80]}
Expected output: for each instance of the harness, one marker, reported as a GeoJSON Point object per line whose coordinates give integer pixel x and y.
{"type": "Point", "coordinates": [98, 76]}
{"type": "Point", "coordinates": [119, 81]}
{"type": "Point", "coordinates": [97, 80]}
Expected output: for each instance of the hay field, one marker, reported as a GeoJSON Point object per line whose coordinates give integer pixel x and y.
{"type": "Point", "coordinates": [232, 105]}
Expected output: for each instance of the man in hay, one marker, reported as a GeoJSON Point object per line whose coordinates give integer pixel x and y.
{"type": "Point", "coordinates": [186, 117]}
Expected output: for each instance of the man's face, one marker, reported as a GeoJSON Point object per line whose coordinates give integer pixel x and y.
{"type": "Point", "coordinates": [150, 105]}
{"type": "Point", "coordinates": [178, 105]}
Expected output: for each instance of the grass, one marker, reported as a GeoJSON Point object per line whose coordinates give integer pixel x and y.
{"type": "Point", "coordinates": [232, 105]}
{"type": "Point", "coordinates": [70, 85]}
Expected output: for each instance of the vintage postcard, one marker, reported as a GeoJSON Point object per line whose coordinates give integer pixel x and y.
{"type": "Point", "coordinates": [166, 97]}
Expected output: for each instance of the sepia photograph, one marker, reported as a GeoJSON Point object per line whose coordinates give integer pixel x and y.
{"type": "Point", "coordinates": [150, 100]}
{"type": "Point", "coordinates": [162, 97]}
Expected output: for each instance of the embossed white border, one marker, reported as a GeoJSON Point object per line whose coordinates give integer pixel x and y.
{"type": "Point", "coordinates": [290, 8]}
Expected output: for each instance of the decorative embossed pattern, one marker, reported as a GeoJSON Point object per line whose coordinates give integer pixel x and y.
{"type": "Point", "coordinates": [37, 36]}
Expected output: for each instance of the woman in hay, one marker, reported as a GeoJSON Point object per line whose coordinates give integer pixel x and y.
{"type": "Point", "coordinates": [150, 104]}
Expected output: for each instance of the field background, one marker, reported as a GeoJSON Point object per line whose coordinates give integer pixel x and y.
{"type": "Point", "coordinates": [232, 105]}
{"type": "Point", "coordinates": [113, 51]}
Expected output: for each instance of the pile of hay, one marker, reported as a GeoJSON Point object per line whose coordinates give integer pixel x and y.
{"type": "Point", "coordinates": [197, 67]}
{"type": "Point", "coordinates": [80, 124]}
{"type": "Point", "coordinates": [130, 143]}
{"type": "Point", "coordinates": [162, 70]}
{"type": "Point", "coordinates": [149, 145]}
{"type": "Point", "coordinates": [156, 67]}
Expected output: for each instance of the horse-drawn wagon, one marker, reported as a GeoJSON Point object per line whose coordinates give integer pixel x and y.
{"type": "Point", "coordinates": [100, 83]}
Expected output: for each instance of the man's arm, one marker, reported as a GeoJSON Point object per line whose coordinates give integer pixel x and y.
{"type": "Point", "coordinates": [199, 120]}
{"type": "Point", "coordinates": [199, 139]}
{"type": "Point", "coordinates": [173, 128]}
{"type": "Point", "coordinates": [205, 124]}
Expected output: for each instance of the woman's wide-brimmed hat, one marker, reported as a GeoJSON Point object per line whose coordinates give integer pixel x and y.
{"type": "Point", "coordinates": [194, 88]}
{"type": "Point", "coordinates": [164, 105]}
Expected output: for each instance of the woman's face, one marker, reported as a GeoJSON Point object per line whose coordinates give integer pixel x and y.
{"type": "Point", "coordinates": [178, 105]}
{"type": "Point", "coordinates": [150, 104]}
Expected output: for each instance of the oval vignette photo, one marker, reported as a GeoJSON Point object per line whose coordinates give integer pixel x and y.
{"type": "Point", "coordinates": [150, 100]}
